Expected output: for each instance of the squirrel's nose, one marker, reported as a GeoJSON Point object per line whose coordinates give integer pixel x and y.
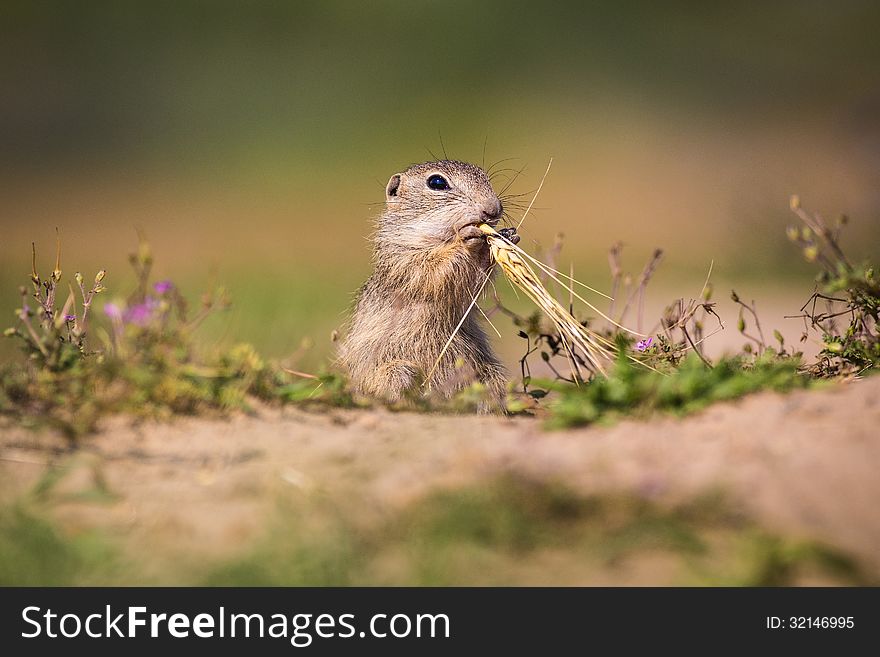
{"type": "Point", "coordinates": [493, 209]}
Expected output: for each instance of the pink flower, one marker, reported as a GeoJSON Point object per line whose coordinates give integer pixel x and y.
{"type": "Point", "coordinates": [112, 311]}
{"type": "Point", "coordinates": [162, 287]}
{"type": "Point", "coordinates": [142, 313]}
{"type": "Point", "coordinates": [644, 345]}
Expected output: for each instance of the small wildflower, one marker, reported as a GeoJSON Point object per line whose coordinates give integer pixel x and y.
{"type": "Point", "coordinates": [137, 315]}
{"type": "Point", "coordinates": [141, 314]}
{"type": "Point", "coordinates": [163, 287]}
{"type": "Point", "coordinates": [644, 345]}
{"type": "Point", "coordinates": [811, 253]}
{"type": "Point", "coordinates": [112, 311]}
{"type": "Point", "coordinates": [70, 318]}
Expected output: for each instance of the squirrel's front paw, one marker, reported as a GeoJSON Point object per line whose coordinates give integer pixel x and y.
{"type": "Point", "coordinates": [472, 234]}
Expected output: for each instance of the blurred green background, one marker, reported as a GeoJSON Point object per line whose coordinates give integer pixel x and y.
{"type": "Point", "coordinates": [251, 141]}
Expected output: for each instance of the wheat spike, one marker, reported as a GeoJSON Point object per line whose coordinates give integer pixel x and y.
{"type": "Point", "coordinates": [596, 349]}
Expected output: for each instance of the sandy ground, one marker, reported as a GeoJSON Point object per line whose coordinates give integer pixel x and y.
{"type": "Point", "coordinates": [805, 463]}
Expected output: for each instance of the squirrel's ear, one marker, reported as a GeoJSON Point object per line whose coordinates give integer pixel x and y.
{"type": "Point", "coordinates": [393, 184]}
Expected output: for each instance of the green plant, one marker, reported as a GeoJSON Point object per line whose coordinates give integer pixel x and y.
{"type": "Point", "coordinates": [506, 530]}
{"type": "Point", "coordinates": [845, 291]}
{"type": "Point", "coordinates": [142, 359]}
{"type": "Point", "coordinates": [54, 338]}
{"type": "Point", "coordinates": [33, 552]}
{"type": "Point", "coordinates": [688, 387]}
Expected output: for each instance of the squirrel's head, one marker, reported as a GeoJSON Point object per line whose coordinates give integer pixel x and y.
{"type": "Point", "coordinates": [436, 203]}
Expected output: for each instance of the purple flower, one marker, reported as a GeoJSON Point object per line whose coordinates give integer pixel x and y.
{"type": "Point", "coordinates": [140, 314]}
{"type": "Point", "coordinates": [163, 287]}
{"type": "Point", "coordinates": [644, 345]}
{"type": "Point", "coordinates": [112, 311]}
{"type": "Point", "coordinates": [70, 318]}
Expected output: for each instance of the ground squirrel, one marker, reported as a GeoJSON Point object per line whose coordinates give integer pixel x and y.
{"type": "Point", "coordinates": [429, 260]}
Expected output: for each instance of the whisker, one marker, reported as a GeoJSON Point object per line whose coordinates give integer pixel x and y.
{"type": "Point", "coordinates": [506, 159]}
{"type": "Point", "coordinates": [512, 180]}
{"type": "Point", "coordinates": [538, 191]}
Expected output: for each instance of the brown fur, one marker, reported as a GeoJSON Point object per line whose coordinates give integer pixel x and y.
{"type": "Point", "coordinates": [429, 260]}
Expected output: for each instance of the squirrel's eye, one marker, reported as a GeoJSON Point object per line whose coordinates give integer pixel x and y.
{"type": "Point", "coordinates": [438, 182]}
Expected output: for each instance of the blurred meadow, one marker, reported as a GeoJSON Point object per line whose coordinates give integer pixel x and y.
{"type": "Point", "coordinates": [251, 142]}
